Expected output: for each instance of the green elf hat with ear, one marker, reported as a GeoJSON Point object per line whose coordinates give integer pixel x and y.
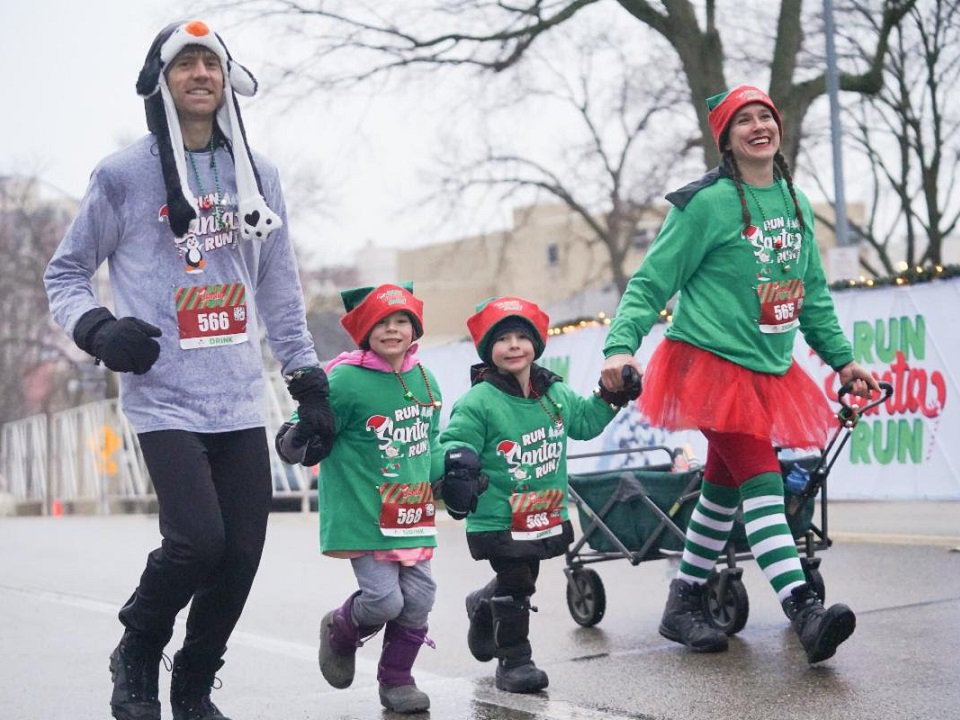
{"type": "Point", "coordinates": [723, 106]}
{"type": "Point", "coordinates": [366, 306]}
{"type": "Point", "coordinates": [497, 316]}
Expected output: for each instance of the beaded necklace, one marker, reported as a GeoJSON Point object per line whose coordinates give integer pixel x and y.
{"type": "Point", "coordinates": [218, 196]}
{"type": "Point", "coordinates": [408, 395]}
{"type": "Point", "coordinates": [558, 418]}
{"type": "Point", "coordinates": [778, 243]}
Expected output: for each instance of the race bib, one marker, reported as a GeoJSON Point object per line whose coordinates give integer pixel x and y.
{"type": "Point", "coordinates": [211, 315]}
{"type": "Point", "coordinates": [407, 510]}
{"type": "Point", "coordinates": [780, 305]}
{"type": "Point", "coordinates": [535, 515]}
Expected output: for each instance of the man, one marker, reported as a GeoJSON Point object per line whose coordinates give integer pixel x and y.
{"type": "Point", "coordinates": [193, 228]}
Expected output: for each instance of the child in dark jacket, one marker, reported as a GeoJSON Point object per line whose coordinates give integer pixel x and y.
{"type": "Point", "coordinates": [507, 439]}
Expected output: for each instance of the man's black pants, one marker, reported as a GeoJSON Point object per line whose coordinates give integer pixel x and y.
{"type": "Point", "coordinates": [214, 493]}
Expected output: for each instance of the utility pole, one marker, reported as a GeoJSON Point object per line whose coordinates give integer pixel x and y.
{"type": "Point", "coordinates": [844, 259]}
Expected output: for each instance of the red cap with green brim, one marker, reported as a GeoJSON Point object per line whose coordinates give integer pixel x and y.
{"type": "Point", "coordinates": [366, 306]}
{"type": "Point", "coordinates": [725, 105]}
{"type": "Point", "coordinates": [483, 325]}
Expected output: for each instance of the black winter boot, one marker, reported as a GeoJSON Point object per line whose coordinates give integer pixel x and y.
{"type": "Point", "coordinates": [683, 620]}
{"type": "Point", "coordinates": [190, 684]}
{"type": "Point", "coordinates": [820, 629]}
{"type": "Point", "coordinates": [135, 669]}
{"type": "Point", "coordinates": [480, 634]}
{"type": "Point", "coordinates": [516, 671]}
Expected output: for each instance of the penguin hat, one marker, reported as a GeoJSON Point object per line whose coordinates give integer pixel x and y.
{"type": "Point", "coordinates": [498, 316]}
{"type": "Point", "coordinates": [255, 219]}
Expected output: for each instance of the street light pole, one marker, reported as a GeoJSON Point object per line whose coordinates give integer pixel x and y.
{"type": "Point", "coordinates": [842, 233]}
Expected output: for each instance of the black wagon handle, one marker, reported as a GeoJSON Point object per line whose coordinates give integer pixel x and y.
{"type": "Point", "coordinates": [848, 413]}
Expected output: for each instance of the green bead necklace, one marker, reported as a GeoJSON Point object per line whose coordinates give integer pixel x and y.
{"type": "Point", "coordinates": [409, 396]}
{"type": "Point", "coordinates": [218, 195]}
{"type": "Point", "coordinates": [786, 213]}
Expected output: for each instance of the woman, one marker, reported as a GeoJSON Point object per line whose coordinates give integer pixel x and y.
{"type": "Point", "coordinates": [739, 247]}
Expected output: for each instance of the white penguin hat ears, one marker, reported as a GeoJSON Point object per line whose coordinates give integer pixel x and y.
{"type": "Point", "coordinates": [255, 220]}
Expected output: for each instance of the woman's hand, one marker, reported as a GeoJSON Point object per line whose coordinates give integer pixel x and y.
{"type": "Point", "coordinates": [863, 380]}
{"type": "Point", "coordinates": [611, 374]}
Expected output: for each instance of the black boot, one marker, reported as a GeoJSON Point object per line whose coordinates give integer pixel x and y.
{"type": "Point", "coordinates": [820, 629]}
{"type": "Point", "coordinates": [135, 669]}
{"type": "Point", "coordinates": [190, 685]}
{"type": "Point", "coordinates": [683, 620]}
{"type": "Point", "coordinates": [516, 671]}
{"type": "Point", "coordinates": [480, 634]}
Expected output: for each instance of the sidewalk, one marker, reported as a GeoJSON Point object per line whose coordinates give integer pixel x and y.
{"type": "Point", "coordinates": [917, 522]}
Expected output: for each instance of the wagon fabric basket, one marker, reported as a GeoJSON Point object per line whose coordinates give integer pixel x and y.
{"type": "Point", "coordinates": [622, 500]}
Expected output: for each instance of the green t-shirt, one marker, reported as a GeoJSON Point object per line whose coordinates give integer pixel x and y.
{"type": "Point", "coordinates": [520, 445]}
{"type": "Point", "coordinates": [701, 251]}
{"type": "Point", "coordinates": [386, 448]}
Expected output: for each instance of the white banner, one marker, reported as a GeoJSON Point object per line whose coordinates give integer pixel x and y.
{"type": "Point", "coordinates": [908, 336]}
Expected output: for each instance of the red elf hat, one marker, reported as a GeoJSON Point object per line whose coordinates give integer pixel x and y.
{"type": "Point", "coordinates": [723, 106]}
{"type": "Point", "coordinates": [366, 306]}
{"type": "Point", "coordinates": [495, 314]}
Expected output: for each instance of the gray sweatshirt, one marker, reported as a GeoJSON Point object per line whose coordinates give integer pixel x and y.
{"type": "Point", "coordinates": [207, 379]}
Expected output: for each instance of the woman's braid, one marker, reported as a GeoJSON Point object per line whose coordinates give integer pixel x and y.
{"type": "Point", "coordinates": [781, 163]}
{"type": "Point", "coordinates": [734, 169]}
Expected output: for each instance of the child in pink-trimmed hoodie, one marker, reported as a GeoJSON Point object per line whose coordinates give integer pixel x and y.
{"type": "Point", "coordinates": [376, 501]}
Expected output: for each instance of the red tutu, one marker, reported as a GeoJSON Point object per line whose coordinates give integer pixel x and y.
{"type": "Point", "coordinates": [686, 388]}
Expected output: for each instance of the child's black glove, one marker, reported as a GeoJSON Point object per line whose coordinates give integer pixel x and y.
{"type": "Point", "coordinates": [309, 387]}
{"type": "Point", "coordinates": [462, 483]}
{"type": "Point", "coordinates": [291, 451]}
{"type": "Point", "coordinates": [632, 387]}
{"type": "Point", "coordinates": [124, 345]}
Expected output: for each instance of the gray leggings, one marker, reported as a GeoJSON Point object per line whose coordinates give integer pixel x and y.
{"type": "Point", "coordinates": [391, 591]}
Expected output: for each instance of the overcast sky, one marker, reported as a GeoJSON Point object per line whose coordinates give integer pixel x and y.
{"type": "Point", "coordinates": [67, 80]}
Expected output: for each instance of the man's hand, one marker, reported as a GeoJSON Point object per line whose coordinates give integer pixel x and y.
{"type": "Point", "coordinates": [124, 345]}
{"type": "Point", "coordinates": [311, 391]}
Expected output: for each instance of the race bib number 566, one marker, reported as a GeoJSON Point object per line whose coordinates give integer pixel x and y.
{"type": "Point", "coordinates": [211, 315]}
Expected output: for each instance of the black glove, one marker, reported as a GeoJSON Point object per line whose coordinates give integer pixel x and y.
{"type": "Point", "coordinates": [124, 345]}
{"type": "Point", "coordinates": [291, 452]}
{"type": "Point", "coordinates": [632, 387]}
{"type": "Point", "coordinates": [462, 483]}
{"type": "Point", "coordinates": [310, 389]}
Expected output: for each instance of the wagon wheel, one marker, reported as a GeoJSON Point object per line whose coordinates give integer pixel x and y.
{"type": "Point", "coordinates": [586, 598]}
{"type": "Point", "coordinates": [815, 580]}
{"type": "Point", "coordinates": [729, 612]}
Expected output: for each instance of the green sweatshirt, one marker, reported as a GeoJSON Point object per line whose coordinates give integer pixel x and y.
{"type": "Point", "coordinates": [702, 253]}
{"type": "Point", "coordinates": [386, 448]}
{"type": "Point", "coordinates": [520, 445]}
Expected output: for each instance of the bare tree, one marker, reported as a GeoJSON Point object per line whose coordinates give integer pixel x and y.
{"type": "Point", "coordinates": [611, 170]}
{"type": "Point", "coordinates": [910, 135]}
{"type": "Point", "coordinates": [494, 36]}
{"type": "Point", "coordinates": [32, 349]}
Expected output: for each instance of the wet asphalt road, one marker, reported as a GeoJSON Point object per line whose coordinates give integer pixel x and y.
{"type": "Point", "coordinates": [63, 580]}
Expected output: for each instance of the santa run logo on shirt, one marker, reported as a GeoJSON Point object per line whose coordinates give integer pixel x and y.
{"type": "Point", "coordinates": [397, 441]}
{"type": "Point", "coordinates": [779, 241]}
{"type": "Point", "coordinates": [908, 433]}
{"type": "Point", "coordinates": [210, 230]}
{"type": "Point", "coordinates": [534, 456]}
